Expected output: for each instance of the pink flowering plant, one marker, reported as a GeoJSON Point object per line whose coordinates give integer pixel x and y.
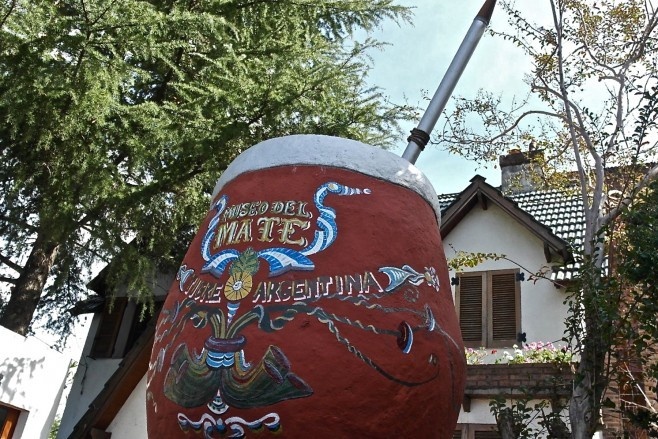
{"type": "Point", "coordinates": [475, 356]}
{"type": "Point", "coordinates": [535, 352]}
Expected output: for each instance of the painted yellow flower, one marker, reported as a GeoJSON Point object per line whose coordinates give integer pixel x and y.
{"type": "Point", "coordinates": [238, 286]}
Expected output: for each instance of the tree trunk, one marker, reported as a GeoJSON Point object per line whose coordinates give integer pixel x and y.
{"type": "Point", "coordinates": [25, 295]}
{"type": "Point", "coordinates": [506, 424]}
{"type": "Point", "coordinates": [582, 404]}
{"type": "Point", "coordinates": [590, 380]}
{"type": "Point", "coordinates": [588, 390]}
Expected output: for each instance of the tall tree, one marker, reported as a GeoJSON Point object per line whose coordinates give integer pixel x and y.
{"type": "Point", "coordinates": [591, 106]}
{"type": "Point", "coordinates": [118, 115]}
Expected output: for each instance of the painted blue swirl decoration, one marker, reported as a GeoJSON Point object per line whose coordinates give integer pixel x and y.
{"type": "Point", "coordinates": [183, 274]}
{"type": "Point", "coordinates": [280, 259]}
{"type": "Point", "coordinates": [215, 360]}
{"type": "Point", "coordinates": [398, 276]}
{"type": "Point", "coordinates": [327, 219]}
{"type": "Point", "coordinates": [233, 425]}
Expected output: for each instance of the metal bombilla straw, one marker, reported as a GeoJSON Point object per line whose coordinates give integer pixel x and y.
{"type": "Point", "coordinates": [420, 135]}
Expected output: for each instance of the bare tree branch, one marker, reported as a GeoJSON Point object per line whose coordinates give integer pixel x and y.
{"type": "Point", "coordinates": [650, 176]}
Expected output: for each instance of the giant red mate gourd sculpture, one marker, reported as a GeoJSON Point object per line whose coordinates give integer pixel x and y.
{"type": "Point", "coordinates": [314, 301]}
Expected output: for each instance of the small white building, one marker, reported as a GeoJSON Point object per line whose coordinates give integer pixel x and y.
{"type": "Point", "coordinates": [32, 380]}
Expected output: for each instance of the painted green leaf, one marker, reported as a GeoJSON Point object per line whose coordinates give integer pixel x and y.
{"type": "Point", "coordinates": [247, 262]}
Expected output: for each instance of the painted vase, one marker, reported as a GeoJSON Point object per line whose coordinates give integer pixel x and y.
{"type": "Point", "coordinates": [313, 302]}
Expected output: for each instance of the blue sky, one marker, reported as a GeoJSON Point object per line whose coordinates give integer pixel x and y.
{"type": "Point", "coordinates": [416, 59]}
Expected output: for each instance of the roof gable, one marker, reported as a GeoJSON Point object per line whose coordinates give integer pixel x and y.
{"type": "Point", "coordinates": [481, 194]}
{"type": "Point", "coordinates": [118, 387]}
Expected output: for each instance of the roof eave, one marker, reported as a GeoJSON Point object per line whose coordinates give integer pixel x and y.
{"type": "Point", "coordinates": [480, 193]}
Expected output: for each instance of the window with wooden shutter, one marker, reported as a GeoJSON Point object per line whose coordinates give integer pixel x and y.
{"type": "Point", "coordinates": [504, 310]}
{"type": "Point", "coordinates": [489, 308]}
{"type": "Point", "coordinates": [470, 308]}
{"type": "Point", "coordinates": [8, 419]}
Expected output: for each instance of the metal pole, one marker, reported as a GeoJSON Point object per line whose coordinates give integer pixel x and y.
{"type": "Point", "coordinates": [420, 135]}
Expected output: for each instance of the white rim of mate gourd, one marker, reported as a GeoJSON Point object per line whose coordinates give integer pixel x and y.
{"type": "Point", "coordinates": [317, 150]}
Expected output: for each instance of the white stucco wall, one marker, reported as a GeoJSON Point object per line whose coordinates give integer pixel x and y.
{"type": "Point", "coordinates": [479, 413]}
{"type": "Point", "coordinates": [493, 231]}
{"type": "Point", "coordinates": [130, 422]}
{"type": "Point", "coordinates": [33, 379]}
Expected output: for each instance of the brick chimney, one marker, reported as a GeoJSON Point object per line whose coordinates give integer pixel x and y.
{"type": "Point", "coordinates": [521, 171]}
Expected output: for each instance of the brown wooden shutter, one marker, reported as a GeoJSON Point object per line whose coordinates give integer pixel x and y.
{"type": "Point", "coordinates": [108, 329]}
{"type": "Point", "coordinates": [471, 308]}
{"type": "Point", "coordinates": [504, 309]}
{"type": "Point", "coordinates": [457, 434]}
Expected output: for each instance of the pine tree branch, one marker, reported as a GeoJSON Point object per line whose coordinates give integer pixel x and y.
{"type": "Point", "coordinates": [12, 5]}
{"type": "Point", "coordinates": [24, 224]}
{"type": "Point", "coordinates": [8, 280]}
{"type": "Point", "coordinates": [11, 264]}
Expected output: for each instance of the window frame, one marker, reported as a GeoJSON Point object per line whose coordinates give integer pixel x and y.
{"type": "Point", "coordinates": [107, 332]}
{"type": "Point", "coordinates": [487, 311]}
{"type": "Point", "coordinates": [468, 430]}
{"type": "Point", "coordinates": [120, 327]}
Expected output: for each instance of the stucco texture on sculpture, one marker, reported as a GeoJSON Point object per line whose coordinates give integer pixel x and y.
{"type": "Point", "coordinates": [314, 300]}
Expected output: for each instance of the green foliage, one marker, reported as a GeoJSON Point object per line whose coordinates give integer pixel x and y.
{"type": "Point", "coordinates": [119, 115]}
{"type": "Point", "coordinates": [54, 429]}
{"type": "Point", "coordinates": [514, 417]}
{"type": "Point", "coordinates": [636, 279]}
{"type": "Point", "coordinates": [521, 418]}
{"type": "Point", "coordinates": [640, 243]}
{"type": "Point", "coordinates": [463, 259]}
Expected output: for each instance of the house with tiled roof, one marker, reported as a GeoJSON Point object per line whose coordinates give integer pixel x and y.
{"type": "Point", "coordinates": [513, 297]}
{"type": "Point", "coordinates": [511, 305]}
